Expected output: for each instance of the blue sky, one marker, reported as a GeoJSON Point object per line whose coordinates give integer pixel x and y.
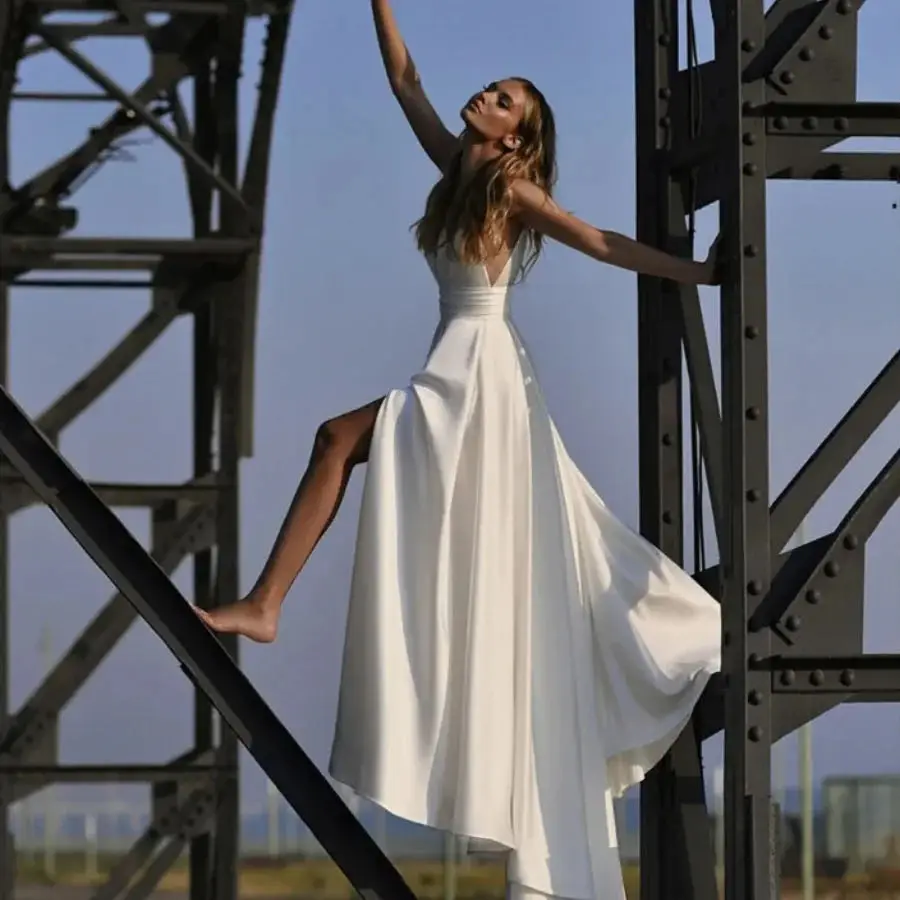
{"type": "Point", "coordinates": [347, 311]}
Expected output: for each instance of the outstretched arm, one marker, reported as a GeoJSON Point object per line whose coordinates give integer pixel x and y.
{"type": "Point", "coordinates": [436, 139]}
{"type": "Point", "coordinates": [537, 210]}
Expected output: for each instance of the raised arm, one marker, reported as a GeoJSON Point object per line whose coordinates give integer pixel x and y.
{"type": "Point", "coordinates": [436, 139]}
{"type": "Point", "coordinates": [540, 212]}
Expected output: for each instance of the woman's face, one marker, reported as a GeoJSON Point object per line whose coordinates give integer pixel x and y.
{"type": "Point", "coordinates": [494, 113]}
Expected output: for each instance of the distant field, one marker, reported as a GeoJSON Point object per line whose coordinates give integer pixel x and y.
{"type": "Point", "coordinates": [270, 880]}
{"type": "Point", "coordinates": [320, 880]}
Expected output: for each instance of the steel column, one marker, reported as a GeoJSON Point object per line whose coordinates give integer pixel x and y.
{"type": "Point", "coordinates": [780, 90]}
{"type": "Point", "coordinates": [750, 865]}
{"type": "Point", "coordinates": [676, 861]}
{"type": "Point", "coordinates": [8, 49]}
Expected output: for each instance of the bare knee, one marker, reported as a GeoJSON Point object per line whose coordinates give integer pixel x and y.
{"type": "Point", "coordinates": [345, 440]}
{"type": "Point", "coordinates": [336, 442]}
{"type": "Point", "coordinates": [328, 444]}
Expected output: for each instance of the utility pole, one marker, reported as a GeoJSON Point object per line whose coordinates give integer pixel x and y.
{"type": "Point", "coordinates": [807, 804]}
{"type": "Point", "coordinates": [450, 858]}
{"type": "Point", "coordinates": [807, 813]}
{"type": "Point", "coordinates": [273, 825]}
{"type": "Point", "coordinates": [45, 649]}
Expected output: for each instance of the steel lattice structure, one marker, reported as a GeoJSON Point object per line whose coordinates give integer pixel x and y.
{"type": "Point", "coordinates": [196, 48]}
{"type": "Point", "coordinates": [780, 90]}
{"type": "Point", "coordinates": [711, 133]}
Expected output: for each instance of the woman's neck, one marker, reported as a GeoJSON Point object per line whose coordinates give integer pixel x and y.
{"type": "Point", "coordinates": [475, 154]}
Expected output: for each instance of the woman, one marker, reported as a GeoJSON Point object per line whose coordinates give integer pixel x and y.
{"type": "Point", "coordinates": [515, 656]}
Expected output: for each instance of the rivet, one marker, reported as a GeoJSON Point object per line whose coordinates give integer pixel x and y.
{"type": "Point", "coordinates": [667, 517]}
{"type": "Point", "coordinates": [753, 413]}
{"type": "Point", "coordinates": [831, 568]}
{"type": "Point", "coordinates": [667, 440]}
{"type": "Point", "coordinates": [842, 123]}
{"type": "Point", "coordinates": [664, 40]}
{"type": "Point", "coordinates": [788, 676]}
{"type": "Point", "coordinates": [749, 138]}
{"type": "Point", "coordinates": [793, 623]}
{"type": "Point", "coordinates": [826, 32]}
{"type": "Point", "coordinates": [817, 678]}
{"type": "Point", "coordinates": [750, 168]}
{"type": "Point", "coordinates": [754, 698]}
{"type": "Point", "coordinates": [753, 659]}
{"type": "Point", "coordinates": [844, 8]}
{"type": "Point", "coordinates": [751, 250]}
{"type": "Point", "coordinates": [813, 597]}
{"type": "Point", "coordinates": [753, 495]}
{"type": "Point", "coordinates": [747, 45]}
{"type": "Point", "coordinates": [780, 123]}
{"type": "Point", "coordinates": [810, 123]}
{"type": "Point", "coordinates": [665, 93]}
{"type": "Point", "coordinates": [751, 332]}
{"type": "Point", "coordinates": [851, 542]}
{"type": "Point", "coordinates": [847, 677]}
{"type": "Point", "coordinates": [754, 588]}
{"type": "Point", "coordinates": [807, 54]}
{"type": "Point", "coordinates": [665, 121]}
{"type": "Point", "coordinates": [787, 77]}
{"type": "Point", "coordinates": [755, 733]}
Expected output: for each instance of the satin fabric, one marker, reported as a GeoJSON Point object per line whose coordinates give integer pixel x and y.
{"type": "Point", "coordinates": [515, 656]}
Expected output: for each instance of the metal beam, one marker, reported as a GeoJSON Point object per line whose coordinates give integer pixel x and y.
{"type": "Point", "coordinates": [136, 108]}
{"type": "Point", "coordinates": [179, 47]}
{"type": "Point", "coordinates": [201, 249]}
{"type": "Point", "coordinates": [202, 657]}
{"type": "Point", "coordinates": [675, 860]}
{"type": "Point", "coordinates": [831, 457]}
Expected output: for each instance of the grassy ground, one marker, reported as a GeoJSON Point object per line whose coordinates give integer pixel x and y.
{"type": "Point", "coordinates": [316, 879]}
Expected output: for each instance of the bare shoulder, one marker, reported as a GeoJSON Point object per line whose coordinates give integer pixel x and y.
{"type": "Point", "coordinates": [537, 210]}
{"type": "Point", "coordinates": [527, 195]}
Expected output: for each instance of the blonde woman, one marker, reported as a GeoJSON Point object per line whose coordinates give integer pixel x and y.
{"type": "Point", "coordinates": [515, 656]}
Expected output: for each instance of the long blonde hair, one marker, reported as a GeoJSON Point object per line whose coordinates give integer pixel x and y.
{"type": "Point", "coordinates": [473, 220]}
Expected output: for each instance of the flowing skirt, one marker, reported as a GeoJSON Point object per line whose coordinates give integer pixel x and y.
{"type": "Point", "coordinates": [515, 656]}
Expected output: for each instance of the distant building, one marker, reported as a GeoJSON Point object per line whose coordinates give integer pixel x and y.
{"type": "Point", "coordinates": [862, 818]}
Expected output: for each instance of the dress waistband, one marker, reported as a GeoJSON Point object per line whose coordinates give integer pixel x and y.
{"type": "Point", "coordinates": [480, 303]}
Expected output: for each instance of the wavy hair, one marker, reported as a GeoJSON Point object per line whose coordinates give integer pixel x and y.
{"type": "Point", "coordinates": [472, 218]}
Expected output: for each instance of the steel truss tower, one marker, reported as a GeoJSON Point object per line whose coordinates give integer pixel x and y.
{"type": "Point", "coordinates": [213, 278]}
{"type": "Point", "coordinates": [780, 90]}
{"type": "Point", "coordinates": [196, 47]}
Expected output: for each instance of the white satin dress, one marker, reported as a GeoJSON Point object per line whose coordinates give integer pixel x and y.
{"type": "Point", "coordinates": [515, 656]}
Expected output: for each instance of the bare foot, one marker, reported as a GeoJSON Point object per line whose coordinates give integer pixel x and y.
{"type": "Point", "coordinates": [249, 618]}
